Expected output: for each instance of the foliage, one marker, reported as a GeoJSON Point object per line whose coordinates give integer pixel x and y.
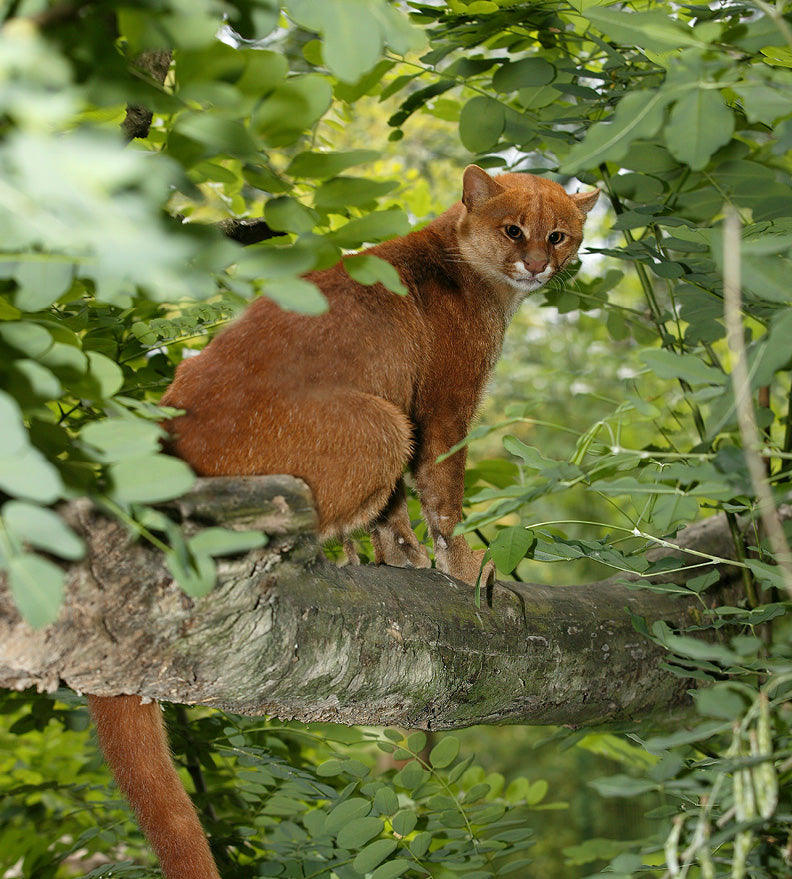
{"type": "Point", "coordinates": [286, 800]}
{"type": "Point", "coordinates": [677, 112]}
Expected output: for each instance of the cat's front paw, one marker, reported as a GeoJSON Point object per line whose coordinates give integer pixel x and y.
{"type": "Point", "coordinates": [402, 550]}
{"type": "Point", "coordinates": [469, 569]}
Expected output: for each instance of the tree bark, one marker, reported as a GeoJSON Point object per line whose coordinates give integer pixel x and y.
{"type": "Point", "coordinates": [289, 634]}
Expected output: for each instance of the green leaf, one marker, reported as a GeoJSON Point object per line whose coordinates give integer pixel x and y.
{"type": "Point", "coordinates": [694, 648]}
{"type": "Point", "coordinates": [658, 744]}
{"type": "Point", "coordinates": [330, 768]}
{"type": "Point", "coordinates": [285, 214]}
{"type": "Point", "coordinates": [654, 29]}
{"type": "Point", "coordinates": [531, 456]}
{"type": "Point", "coordinates": [638, 115]}
{"type": "Point", "coordinates": [119, 438]}
{"type": "Point", "coordinates": [105, 374]}
{"type": "Point", "coordinates": [719, 701]}
{"type": "Point", "coordinates": [767, 277]}
{"type": "Point", "coordinates": [291, 108]}
{"type": "Point", "coordinates": [526, 73]}
{"type": "Point", "coordinates": [42, 528]}
{"type": "Point", "coordinates": [28, 338]}
{"type": "Point", "coordinates": [385, 801]}
{"type": "Point", "coordinates": [376, 226]}
{"type": "Point", "coordinates": [295, 294]}
{"type": "Point", "coordinates": [536, 792]}
{"type": "Point", "coordinates": [221, 541]}
{"type": "Point", "coordinates": [343, 813]}
{"type": "Point", "coordinates": [359, 831]}
{"type": "Point", "coordinates": [322, 165]}
{"type": "Point", "coordinates": [419, 844]}
{"type": "Point", "coordinates": [42, 282]}
{"type": "Point", "coordinates": [392, 869]}
{"type": "Point", "coordinates": [672, 510]}
{"type": "Point", "coordinates": [149, 479]}
{"type": "Point", "coordinates": [343, 192]}
{"type": "Point", "coordinates": [670, 365]}
{"type": "Point", "coordinates": [416, 741]}
{"type": "Point", "coordinates": [28, 474]}
{"type": "Point", "coordinates": [368, 269]}
{"type": "Point", "coordinates": [37, 586]}
{"type": "Point", "coordinates": [374, 854]}
{"type": "Point", "coordinates": [538, 97]}
{"type": "Point", "coordinates": [762, 102]}
{"type": "Point", "coordinates": [509, 547]}
{"type": "Point", "coordinates": [28, 375]}
{"type": "Point", "coordinates": [481, 123]}
{"type": "Point", "coordinates": [444, 752]}
{"type": "Point", "coordinates": [13, 436]}
{"type": "Point", "coordinates": [619, 785]}
{"type": "Point", "coordinates": [196, 575]}
{"type": "Point", "coordinates": [595, 849]}
{"type": "Point", "coordinates": [216, 134]}
{"type": "Point", "coordinates": [7, 310]}
{"type": "Point", "coordinates": [404, 822]}
{"type": "Point", "coordinates": [700, 124]}
{"type": "Point", "coordinates": [268, 261]}
{"type": "Point", "coordinates": [352, 38]}
{"type": "Point", "coordinates": [66, 361]}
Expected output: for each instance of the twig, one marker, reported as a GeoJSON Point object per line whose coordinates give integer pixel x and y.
{"type": "Point", "coordinates": [749, 432]}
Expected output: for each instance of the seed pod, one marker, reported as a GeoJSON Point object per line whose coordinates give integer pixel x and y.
{"type": "Point", "coordinates": [671, 847]}
{"type": "Point", "coordinates": [742, 846]}
{"type": "Point", "coordinates": [765, 780]}
{"type": "Point", "coordinates": [744, 800]}
{"type": "Point", "coordinates": [705, 862]}
{"type": "Point", "coordinates": [703, 853]}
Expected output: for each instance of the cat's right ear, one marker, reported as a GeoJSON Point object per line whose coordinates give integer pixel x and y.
{"type": "Point", "coordinates": [478, 187]}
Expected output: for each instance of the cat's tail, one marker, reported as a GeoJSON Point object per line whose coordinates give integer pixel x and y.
{"type": "Point", "coordinates": [135, 744]}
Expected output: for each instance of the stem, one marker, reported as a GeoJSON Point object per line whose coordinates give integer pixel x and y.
{"type": "Point", "coordinates": [749, 432]}
{"type": "Point", "coordinates": [787, 446]}
{"type": "Point", "coordinates": [191, 763]}
{"type": "Point", "coordinates": [640, 269]}
{"type": "Point", "coordinates": [739, 551]}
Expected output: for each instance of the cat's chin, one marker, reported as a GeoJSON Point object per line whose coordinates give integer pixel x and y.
{"type": "Point", "coordinates": [525, 284]}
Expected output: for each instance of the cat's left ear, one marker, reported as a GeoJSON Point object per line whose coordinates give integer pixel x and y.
{"type": "Point", "coordinates": [478, 187]}
{"type": "Point", "coordinates": [585, 200]}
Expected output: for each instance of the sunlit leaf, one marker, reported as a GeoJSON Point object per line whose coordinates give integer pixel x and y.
{"type": "Point", "coordinates": [37, 586]}
{"type": "Point", "coordinates": [700, 124]}
{"type": "Point", "coordinates": [149, 479]}
{"type": "Point", "coordinates": [480, 123]}
{"type": "Point", "coordinates": [42, 528]}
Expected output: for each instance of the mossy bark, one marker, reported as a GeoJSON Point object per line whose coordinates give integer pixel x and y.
{"type": "Point", "coordinates": [286, 633]}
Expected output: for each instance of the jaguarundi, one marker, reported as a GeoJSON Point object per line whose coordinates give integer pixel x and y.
{"type": "Point", "coordinates": [347, 400]}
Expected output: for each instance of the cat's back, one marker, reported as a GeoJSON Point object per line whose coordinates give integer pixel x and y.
{"type": "Point", "coordinates": [366, 336]}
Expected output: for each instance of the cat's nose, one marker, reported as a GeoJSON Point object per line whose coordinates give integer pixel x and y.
{"type": "Point", "coordinates": [535, 266]}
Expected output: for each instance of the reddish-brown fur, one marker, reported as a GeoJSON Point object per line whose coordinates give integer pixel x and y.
{"type": "Point", "coordinates": [346, 400]}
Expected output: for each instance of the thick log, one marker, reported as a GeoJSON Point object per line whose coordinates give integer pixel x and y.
{"type": "Point", "coordinates": [289, 634]}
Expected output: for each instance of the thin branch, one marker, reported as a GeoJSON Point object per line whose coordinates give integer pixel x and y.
{"type": "Point", "coordinates": [752, 444]}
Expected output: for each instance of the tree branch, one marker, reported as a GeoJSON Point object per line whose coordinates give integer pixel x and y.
{"type": "Point", "coordinates": [289, 634]}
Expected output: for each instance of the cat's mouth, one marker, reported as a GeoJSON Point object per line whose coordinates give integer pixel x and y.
{"type": "Point", "coordinates": [527, 283]}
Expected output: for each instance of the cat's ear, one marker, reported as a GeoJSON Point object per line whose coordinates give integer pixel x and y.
{"type": "Point", "coordinates": [478, 187]}
{"type": "Point", "coordinates": [585, 200]}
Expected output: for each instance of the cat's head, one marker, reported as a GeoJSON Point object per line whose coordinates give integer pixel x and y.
{"type": "Point", "coordinates": [519, 230]}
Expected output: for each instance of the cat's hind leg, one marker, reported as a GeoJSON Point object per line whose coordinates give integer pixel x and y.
{"type": "Point", "coordinates": [351, 447]}
{"type": "Point", "coordinates": [393, 538]}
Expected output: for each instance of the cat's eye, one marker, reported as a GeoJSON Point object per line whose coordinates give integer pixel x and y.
{"type": "Point", "coordinates": [514, 232]}
{"type": "Point", "coordinates": [556, 237]}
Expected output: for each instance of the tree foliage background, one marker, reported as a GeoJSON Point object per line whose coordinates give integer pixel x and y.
{"type": "Point", "coordinates": [619, 413]}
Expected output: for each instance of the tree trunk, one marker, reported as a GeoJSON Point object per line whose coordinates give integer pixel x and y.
{"type": "Point", "coordinates": [286, 633]}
